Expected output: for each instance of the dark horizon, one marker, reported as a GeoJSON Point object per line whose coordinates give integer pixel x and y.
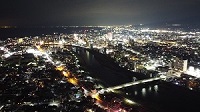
{"type": "Point", "coordinates": [98, 12]}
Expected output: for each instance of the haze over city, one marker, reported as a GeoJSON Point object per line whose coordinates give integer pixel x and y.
{"type": "Point", "coordinates": [98, 12]}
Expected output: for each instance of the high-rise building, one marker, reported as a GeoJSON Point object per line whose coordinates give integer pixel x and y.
{"type": "Point", "coordinates": [185, 65]}
{"type": "Point", "coordinates": [110, 36]}
{"type": "Point", "coordinates": [179, 64]}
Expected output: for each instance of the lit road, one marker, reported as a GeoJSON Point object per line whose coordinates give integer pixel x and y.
{"type": "Point", "coordinates": [73, 80]}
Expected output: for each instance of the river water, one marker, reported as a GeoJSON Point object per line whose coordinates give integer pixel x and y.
{"type": "Point", "coordinates": [157, 96]}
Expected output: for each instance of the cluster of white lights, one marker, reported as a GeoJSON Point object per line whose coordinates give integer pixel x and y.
{"type": "Point", "coordinates": [39, 53]}
{"type": "Point", "coordinates": [2, 48]}
{"type": "Point", "coordinates": [35, 52]}
{"type": "Point", "coordinates": [8, 54]}
{"type": "Point", "coordinates": [193, 72]}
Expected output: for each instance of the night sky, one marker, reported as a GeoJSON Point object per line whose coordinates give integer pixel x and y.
{"type": "Point", "coordinates": [98, 12]}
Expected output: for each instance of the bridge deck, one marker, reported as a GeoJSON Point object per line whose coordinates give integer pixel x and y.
{"type": "Point", "coordinates": [132, 83]}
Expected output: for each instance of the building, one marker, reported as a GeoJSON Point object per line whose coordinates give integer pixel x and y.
{"type": "Point", "coordinates": [179, 65]}
{"type": "Point", "coordinates": [110, 36]}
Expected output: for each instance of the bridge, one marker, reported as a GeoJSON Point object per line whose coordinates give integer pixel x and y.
{"type": "Point", "coordinates": [132, 84]}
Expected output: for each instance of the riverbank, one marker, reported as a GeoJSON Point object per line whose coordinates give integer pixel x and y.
{"type": "Point", "coordinates": [110, 63]}
{"type": "Point", "coordinates": [156, 96]}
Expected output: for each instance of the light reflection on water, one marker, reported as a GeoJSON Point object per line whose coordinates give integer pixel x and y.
{"type": "Point", "coordinates": [156, 88]}
{"type": "Point", "coordinates": [144, 92]}
{"type": "Point", "coordinates": [135, 93]}
{"type": "Point", "coordinates": [149, 88]}
{"type": "Point", "coordinates": [87, 54]}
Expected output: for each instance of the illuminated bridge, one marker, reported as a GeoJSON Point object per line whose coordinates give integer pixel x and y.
{"type": "Point", "coordinates": [132, 83]}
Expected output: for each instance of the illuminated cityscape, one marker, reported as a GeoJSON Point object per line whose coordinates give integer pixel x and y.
{"type": "Point", "coordinates": [99, 56]}
{"type": "Point", "coordinates": [49, 72]}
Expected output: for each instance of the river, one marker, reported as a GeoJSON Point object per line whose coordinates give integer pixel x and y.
{"type": "Point", "coordinates": [158, 96]}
